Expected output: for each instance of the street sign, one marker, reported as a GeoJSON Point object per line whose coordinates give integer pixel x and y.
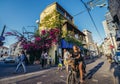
{"type": "Point", "coordinates": [2, 38]}
{"type": "Point", "coordinates": [111, 46]}
{"type": "Point", "coordinates": [1, 43]}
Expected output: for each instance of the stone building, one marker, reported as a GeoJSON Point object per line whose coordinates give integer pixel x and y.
{"type": "Point", "coordinates": [90, 45]}
{"type": "Point", "coordinates": [110, 31]}
{"type": "Point", "coordinates": [114, 8]}
{"type": "Point", "coordinates": [55, 16]}
{"type": "Point", "coordinates": [3, 50]}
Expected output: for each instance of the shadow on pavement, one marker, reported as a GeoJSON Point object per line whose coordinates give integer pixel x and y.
{"type": "Point", "coordinates": [94, 70]}
{"type": "Point", "coordinates": [116, 72]}
{"type": "Point", "coordinates": [89, 61]}
{"type": "Point", "coordinates": [7, 70]}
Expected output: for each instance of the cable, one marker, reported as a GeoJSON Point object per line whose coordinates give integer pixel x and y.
{"type": "Point", "coordinates": [79, 13]}
{"type": "Point", "coordinates": [91, 18]}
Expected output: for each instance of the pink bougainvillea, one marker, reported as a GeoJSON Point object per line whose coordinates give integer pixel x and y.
{"type": "Point", "coordinates": [44, 41]}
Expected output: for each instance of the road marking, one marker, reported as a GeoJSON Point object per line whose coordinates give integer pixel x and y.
{"type": "Point", "coordinates": [105, 75]}
{"type": "Point", "coordinates": [44, 76]}
{"type": "Point", "coordinates": [39, 82]}
{"type": "Point", "coordinates": [61, 76]}
{"type": "Point", "coordinates": [94, 80]}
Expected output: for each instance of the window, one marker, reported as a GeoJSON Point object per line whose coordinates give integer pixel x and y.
{"type": "Point", "coordinates": [115, 19]}
{"type": "Point", "coordinates": [60, 11]}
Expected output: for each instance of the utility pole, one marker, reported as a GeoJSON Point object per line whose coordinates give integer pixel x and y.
{"type": "Point", "coordinates": [2, 38]}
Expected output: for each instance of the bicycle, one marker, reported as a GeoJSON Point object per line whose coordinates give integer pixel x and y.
{"type": "Point", "coordinates": [73, 73]}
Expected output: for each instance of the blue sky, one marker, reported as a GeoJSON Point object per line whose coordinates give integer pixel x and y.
{"type": "Point", "coordinates": [18, 13]}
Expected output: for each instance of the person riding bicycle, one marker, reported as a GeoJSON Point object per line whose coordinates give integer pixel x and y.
{"type": "Point", "coordinates": [78, 61]}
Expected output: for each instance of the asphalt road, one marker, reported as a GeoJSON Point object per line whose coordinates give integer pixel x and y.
{"type": "Point", "coordinates": [98, 72]}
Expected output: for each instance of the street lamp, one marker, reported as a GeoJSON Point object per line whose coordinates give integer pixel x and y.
{"type": "Point", "coordinates": [37, 21]}
{"type": "Point", "coordinates": [94, 3]}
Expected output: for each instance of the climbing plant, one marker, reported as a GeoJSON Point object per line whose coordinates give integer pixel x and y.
{"type": "Point", "coordinates": [55, 19]}
{"type": "Point", "coordinates": [73, 40]}
{"type": "Point", "coordinates": [52, 20]}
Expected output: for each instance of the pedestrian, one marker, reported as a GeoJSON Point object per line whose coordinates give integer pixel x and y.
{"type": "Point", "coordinates": [66, 57]}
{"type": "Point", "coordinates": [45, 58]}
{"type": "Point", "coordinates": [42, 59]}
{"type": "Point", "coordinates": [21, 62]}
{"type": "Point", "coordinates": [50, 61]}
{"type": "Point", "coordinates": [60, 63]}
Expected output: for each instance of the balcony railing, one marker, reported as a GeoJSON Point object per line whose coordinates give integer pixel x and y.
{"type": "Point", "coordinates": [83, 42]}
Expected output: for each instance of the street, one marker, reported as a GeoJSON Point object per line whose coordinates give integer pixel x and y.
{"type": "Point", "coordinates": [98, 72]}
{"type": "Point", "coordinates": [42, 35]}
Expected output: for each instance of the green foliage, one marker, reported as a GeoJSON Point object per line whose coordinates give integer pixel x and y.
{"type": "Point", "coordinates": [52, 20]}
{"type": "Point", "coordinates": [64, 33]}
{"type": "Point", "coordinates": [37, 33]}
{"type": "Point", "coordinates": [73, 40]}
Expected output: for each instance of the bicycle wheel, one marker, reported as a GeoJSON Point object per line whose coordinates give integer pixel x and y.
{"type": "Point", "coordinates": [71, 79]}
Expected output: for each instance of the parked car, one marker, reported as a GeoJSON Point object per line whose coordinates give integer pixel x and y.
{"type": "Point", "coordinates": [117, 57]}
{"type": "Point", "coordinates": [9, 60]}
{"type": "Point", "coordinates": [1, 59]}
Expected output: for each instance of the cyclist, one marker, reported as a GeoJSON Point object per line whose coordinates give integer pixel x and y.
{"type": "Point", "coordinates": [66, 57]}
{"type": "Point", "coordinates": [78, 61]}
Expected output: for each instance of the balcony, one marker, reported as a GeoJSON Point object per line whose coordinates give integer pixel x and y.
{"type": "Point", "coordinates": [83, 42]}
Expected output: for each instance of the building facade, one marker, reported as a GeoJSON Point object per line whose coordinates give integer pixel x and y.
{"type": "Point", "coordinates": [15, 49]}
{"type": "Point", "coordinates": [110, 31]}
{"type": "Point", "coordinates": [90, 45]}
{"type": "Point", "coordinates": [3, 51]}
{"type": "Point", "coordinates": [106, 46]}
{"type": "Point", "coordinates": [114, 8]}
{"type": "Point", "coordinates": [55, 16]}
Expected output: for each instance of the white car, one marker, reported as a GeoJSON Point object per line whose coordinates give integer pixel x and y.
{"type": "Point", "coordinates": [9, 60]}
{"type": "Point", "coordinates": [2, 59]}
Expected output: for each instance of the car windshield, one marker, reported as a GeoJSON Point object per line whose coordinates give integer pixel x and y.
{"type": "Point", "coordinates": [117, 53]}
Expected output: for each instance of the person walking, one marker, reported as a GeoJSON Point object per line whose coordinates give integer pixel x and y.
{"type": "Point", "coordinates": [45, 59]}
{"type": "Point", "coordinates": [50, 61]}
{"type": "Point", "coordinates": [66, 57]}
{"type": "Point", "coordinates": [21, 62]}
{"type": "Point", "coordinates": [42, 59]}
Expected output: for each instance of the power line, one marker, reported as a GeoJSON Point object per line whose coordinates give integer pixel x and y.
{"type": "Point", "coordinates": [79, 13]}
{"type": "Point", "coordinates": [91, 18]}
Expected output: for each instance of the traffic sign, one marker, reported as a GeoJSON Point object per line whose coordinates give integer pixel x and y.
{"type": "Point", "coordinates": [2, 38]}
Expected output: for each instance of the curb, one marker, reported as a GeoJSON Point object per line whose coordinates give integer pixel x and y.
{"type": "Point", "coordinates": [14, 79]}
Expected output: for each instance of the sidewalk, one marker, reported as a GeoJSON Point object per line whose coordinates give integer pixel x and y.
{"type": "Point", "coordinates": [8, 69]}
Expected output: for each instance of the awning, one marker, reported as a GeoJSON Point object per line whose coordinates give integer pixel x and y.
{"type": "Point", "coordinates": [65, 44]}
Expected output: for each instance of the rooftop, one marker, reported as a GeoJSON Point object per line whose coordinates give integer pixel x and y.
{"type": "Point", "coordinates": [60, 7]}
